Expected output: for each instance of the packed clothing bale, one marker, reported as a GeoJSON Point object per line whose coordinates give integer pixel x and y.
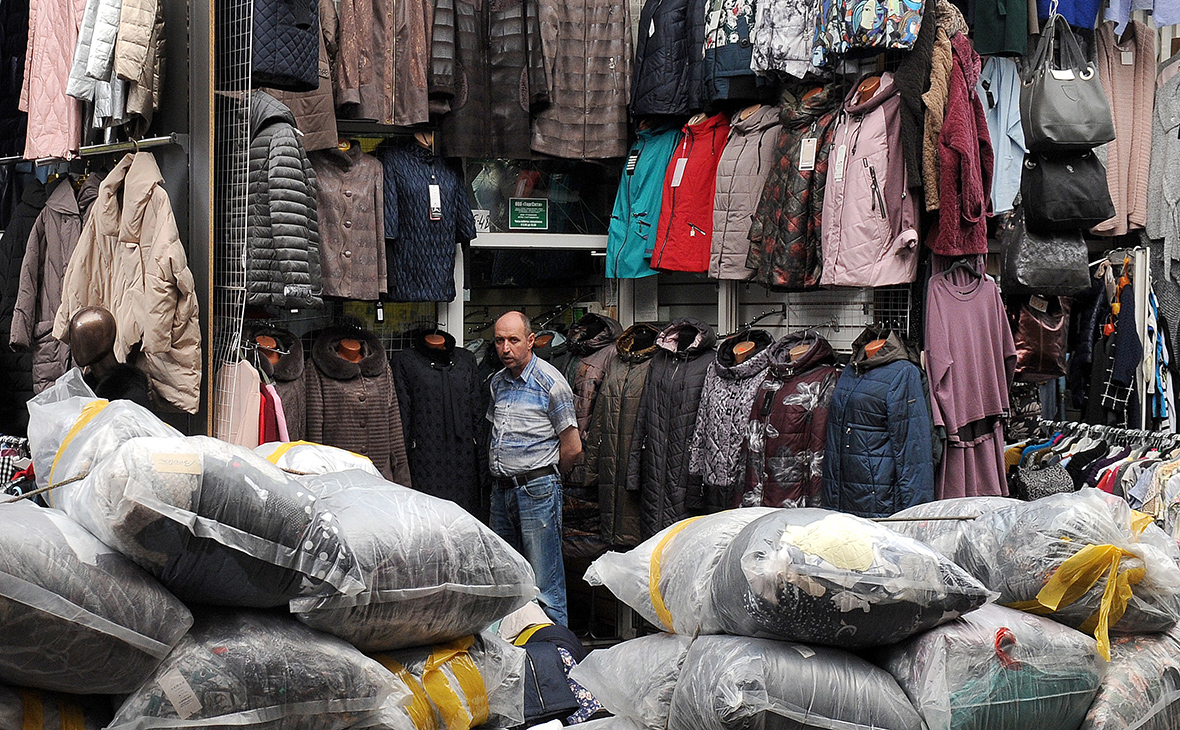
{"type": "Point", "coordinates": [76, 616]}
{"type": "Point", "coordinates": [476, 681]}
{"type": "Point", "coordinates": [830, 578]}
{"type": "Point", "coordinates": [433, 573]}
{"type": "Point", "coordinates": [304, 457]}
{"type": "Point", "coordinates": [1057, 555]}
{"type": "Point", "coordinates": [636, 678]}
{"type": "Point", "coordinates": [735, 683]}
{"type": "Point", "coordinates": [932, 524]}
{"type": "Point", "coordinates": [1141, 689]}
{"type": "Point", "coordinates": [682, 558]}
{"type": "Point", "coordinates": [31, 709]}
{"type": "Point", "coordinates": [263, 671]}
{"type": "Point", "coordinates": [612, 723]}
{"type": "Point", "coordinates": [998, 668]}
{"type": "Point", "coordinates": [215, 523]}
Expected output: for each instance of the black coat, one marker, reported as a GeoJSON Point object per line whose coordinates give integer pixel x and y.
{"type": "Point", "coordinates": [439, 395]}
{"type": "Point", "coordinates": [669, 58]}
{"type": "Point", "coordinates": [286, 45]}
{"type": "Point", "coordinates": [16, 369]}
{"type": "Point", "coordinates": [658, 463]}
{"type": "Point", "coordinates": [14, 41]}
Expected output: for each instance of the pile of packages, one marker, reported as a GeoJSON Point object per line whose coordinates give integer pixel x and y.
{"type": "Point", "coordinates": [204, 585]}
{"type": "Point", "coordinates": [1058, 614]}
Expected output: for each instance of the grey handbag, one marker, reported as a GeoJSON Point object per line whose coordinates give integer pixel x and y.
{"type": "Point", "coordinates": [1052, 265]}
{"type": "Point", "coordinates": [1062, 103]}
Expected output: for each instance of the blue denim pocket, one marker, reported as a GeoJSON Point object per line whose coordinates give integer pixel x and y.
{"type": "Point", "coordinates": [540, 488]}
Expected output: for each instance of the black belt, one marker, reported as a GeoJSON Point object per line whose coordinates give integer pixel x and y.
{"type": "Point", "coordinates": [524, 478]}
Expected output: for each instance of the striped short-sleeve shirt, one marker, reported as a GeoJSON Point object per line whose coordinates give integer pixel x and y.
{"type": "Point", "coordinates": [527, 414]}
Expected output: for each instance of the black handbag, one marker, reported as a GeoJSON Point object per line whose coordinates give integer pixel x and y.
{"type": "Point", "coordinates": [1065, 191]}
{"type": "Point", "coordinates": [1053, 265]}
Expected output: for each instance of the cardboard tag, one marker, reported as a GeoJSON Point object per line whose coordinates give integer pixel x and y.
{"type": "Point", "coordinates": [176, 463]}
{"type": "Point", "coordinates": [678, 173]}
{"type": "Point", "coordinates": [1039, 303]}
{"type": "Point", "coordinates": [435, 203]}
{"type": "Point", "coordinates": [807, 153]}
{"type": "Point", "coordinates": [841, 162]}
{"type": "Point", "coordinates": [483, 220]}
{"type": "Point", "coordinates": [1128, 58]}
{"type": "Point", "coordinates": [179, 693]}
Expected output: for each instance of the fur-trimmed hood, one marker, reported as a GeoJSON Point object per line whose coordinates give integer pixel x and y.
{"type": "Point", "coordinates": [323, 354]}
{"type": "Point", "coordinates": [290, 366]}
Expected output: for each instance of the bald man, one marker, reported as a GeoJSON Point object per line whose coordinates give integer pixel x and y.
{"type": "Point", "coordinates": [534, 441]}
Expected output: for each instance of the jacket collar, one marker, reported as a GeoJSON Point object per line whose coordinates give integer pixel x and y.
{"type": "Point", "coordinates": [323, 354]}
{"type": "Point", "coordinates": [136, 176]}
{"type": "Point", "coordinates": [35, 195]}
{"type": "Point", "coordinates": [706, 126]}
{"type": "Point", "coordinates": [265, 109]}
{"type": "Point", "coordinates": [557, 345]}
{"type": "Point", "coordinates": [290, 366]}
{"type": "Point", "coordinates": [730, 370]}
{"type": "Point", "coordinates": [764, 118]}
{"type": "Point", "coordinates": [637, 343]}
{"type": "Point", "coordinates": [796, 111]}
{"type": "Point", "coordinates": [894, 350]}
{"type": "Point", "coordinates": [63, 199]}
{"type": "Point", "coordinates": [445, 355]}
{"type": "Point", "coordinates": [592, 333]}
{"type": "Point", "coordinates": [340, 158]}
{"type": "Point", "coordinates": [696, 336]}
{"type": "Point", "coordinates": [887, 90]}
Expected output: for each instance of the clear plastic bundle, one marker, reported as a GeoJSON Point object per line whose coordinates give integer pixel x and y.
{"type": "Point", "coordinates": [434, 573]}
{"type": "Point", "coordinates": [736, 683]}
{"type": "Point", "coordinates": [998, 668]}
{"type": "Point", "coordinates": [636, 678]}
{"type": "Point", "coordinates": [933, 523]}
{"type": "Point", "coordinates": [262, 671]}
{"type": "Point", "coordinates": [1058, 556]}
{"type": "Point", "coordinates": [476, 681]}
{"type": "Point", "coordinates": [612, 723]}
{"type": "Point", "coordinates": [76, 616]}
{"type": "Point", "coordinates": [31, 709]}
{"type": "Point", "coordinates": [216, 523]}
{"type": "Point", "coordinates": [304, 457]}
{"type": "Point", "coordinates": [666, 578]}
{"type": "Point", "coordinates": [829, 578]}
{"type": "Point", "coordinates": [1141, 689]}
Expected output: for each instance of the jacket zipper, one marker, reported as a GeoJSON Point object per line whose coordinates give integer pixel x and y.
{"type": "Point", "coordinates": [878, 198]}
{"type": "Point", "coordinates": [687, 151]}
{"type": "Point", "coordinates": [619, 430]}
{"type": "Point", "coordinates": [630, 206]}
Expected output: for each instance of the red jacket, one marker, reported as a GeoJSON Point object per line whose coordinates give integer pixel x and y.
{"type": "Point", "coordinates": [685, 233]}
{"type": "Point", "coordinates": [965, 151]}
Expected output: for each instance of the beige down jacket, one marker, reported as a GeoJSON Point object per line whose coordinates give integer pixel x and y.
{"type": "Point", "coordinates": [130, 260]}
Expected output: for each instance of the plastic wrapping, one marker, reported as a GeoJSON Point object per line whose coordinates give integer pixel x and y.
{"type": "Point", "coordinates": [1020, 551]}
{"type": "Point", "coordinates": [304, 457]}
{"type": "Point", "coordinates": [636, 678]}
{"type": "Point", "coordinates": [999, 668]}
{"type": "Point", "coordinates": [1141, 689]}
{"type": "Point", "coordinates": [75, 616]}
{"type": "Point", "coordinates": [737, 683]}
{"type": "Point", "coordinates": [216, 523]}
{"type": "Point", "coordinates": [476, 681]}
{"type": "Point", "coordinates": [945, 536]}
{"type": "Point", "coordinates": [611, 723]}
{"type": "Point", "coordinates": [71, 430]}
{"type": "Point", "coordinates": [684, 556]}
{"type": "Point", "coordinates": [829, 578]}
{"type": "Point", "coordinates": [30, 709]}
{"type": "Point", "coordinates": [433, 572]}
{"type": "Point", "coordinates": [263, 671]}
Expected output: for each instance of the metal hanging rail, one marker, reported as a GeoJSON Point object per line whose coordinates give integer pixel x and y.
{"type": "Point", "coordinates": [107, 149]}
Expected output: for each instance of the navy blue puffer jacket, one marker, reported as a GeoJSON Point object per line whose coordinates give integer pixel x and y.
{"type": "Point", "coordinates": [286, 38]}
{"type": "Point", "coordinates": [669, 58]}
{"type": "Point", "coordinates": [878, 458]}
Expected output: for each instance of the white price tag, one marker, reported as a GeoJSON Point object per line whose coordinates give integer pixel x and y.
{"type": "Point", "coordinates": [435, 203]}
{"type": "Point", "coordinates": [1128, 58]}
{"type": "Point", "coordinates": [841, 162]}
{"type": "Point", "coordinates": [651, 29]}
{"type": "Point", "coordinates": [483, 221]}
{"type": "Point", "coordinates": [179, 693]}
{"type": "Point", "coordinates": [678, 173]}
{"type": "Point", "coordinates": [807, 153]}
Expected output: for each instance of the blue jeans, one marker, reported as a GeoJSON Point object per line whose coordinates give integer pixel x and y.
{"type": "Point", "coordinates": [529, 518]}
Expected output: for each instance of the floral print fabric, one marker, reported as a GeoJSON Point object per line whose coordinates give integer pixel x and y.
{"type": "Point", "coordinates": [848, 26]}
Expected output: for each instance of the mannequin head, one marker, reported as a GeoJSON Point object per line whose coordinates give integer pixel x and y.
{"type": "Point", "coordinates": [92, 335]}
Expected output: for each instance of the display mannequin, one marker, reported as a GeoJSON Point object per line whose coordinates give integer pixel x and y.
{"type": "Point", "coordinates": [92, 345]}
{"type": "Point", "coordinates": [748, 111]}
{"type": "Point", "coordinates": [742, 350]}
{"type": "Point", "coordinates": [873, 347]}
{"type": "Point", "coordinates": [268, 346]}
{"type": "Point", "coordinates": [436, 341]}
{"type": "Point", "coordinates": [867, 89]}
{"type": "Point", "coordinates": [349, 349]}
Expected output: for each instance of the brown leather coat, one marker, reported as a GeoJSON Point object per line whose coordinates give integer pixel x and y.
{"type": "Point", "coordinates": [315, 111]}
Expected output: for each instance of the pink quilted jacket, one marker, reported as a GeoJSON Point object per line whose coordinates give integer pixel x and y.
{"type": "Point", "coordinates": [55, 120]}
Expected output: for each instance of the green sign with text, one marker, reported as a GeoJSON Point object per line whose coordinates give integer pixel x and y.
{"type": "Point", "coordinates": [528, 214]}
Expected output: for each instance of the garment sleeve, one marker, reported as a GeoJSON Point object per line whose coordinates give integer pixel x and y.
{"type": "Point", "coordinates": [78, 84]}
{"type": "Point", "coordinates": [330, 32]}
{"type": "Point", "coordinates": [909, 434]}
{"type": "Point", "coordinates": [314, 408]}
{"type": "Point", "coordinates": [464, 218]}
{"type": "Point", "coordinates": [561, 407]}
{"type": "Point", "coordinates": [696, 450]}
{"type": "Point", "coordinates": [538, 79]}
{"type": "Point", "coordinates": [389, 196]}
{"type": "Point", "coordinates": [313, 223]}
{"type": "Point", "coordinates": [443, 52]}
{"type": "Point", "coordinates": [399, 461]}
{"type": "Point", "coordinates": [639, 434]}
{"type": "Point", "coordinates": [550, 31]}
{"type": "Point", "coordinates": [817, 439]}
{"type": "Point", "coordinates": [379, 226]}
{"type": "Point", "coordinates": [346, 76]}
{"type": "Point", "coordinates": [167, 282]}
{"type": "Point", "coordinates": [24, 314]}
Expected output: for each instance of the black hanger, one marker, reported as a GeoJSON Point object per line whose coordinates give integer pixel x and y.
{"type": "Point", "coordinates": [964, 263]}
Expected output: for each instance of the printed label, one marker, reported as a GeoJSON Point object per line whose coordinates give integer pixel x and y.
{"type": "Point", "coordinates": [176, 463]}
{"type": "Point", "coordinates": [435, 203]}
{"type": "Point", "coordinates": [1038, 303]}
{"type": "Point", "coordinates": [483, 221]}
{"type": "Point", "coordinates": [179, 693]}
{"type": "Point", "coordinates": [841, 162]}
{"type": "Point", "coordinates": [807, 153]}
{"type": "Point", "coordinates": [1128, 58]}
{"type": "Point", "coordinates": [678, 173]}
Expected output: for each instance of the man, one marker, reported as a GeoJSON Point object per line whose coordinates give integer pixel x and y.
{"type": "Point", "coordinates": [534, 441]}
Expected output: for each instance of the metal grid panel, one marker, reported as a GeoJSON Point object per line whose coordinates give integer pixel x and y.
{"type": "Point", "coordinates": [840, 315]}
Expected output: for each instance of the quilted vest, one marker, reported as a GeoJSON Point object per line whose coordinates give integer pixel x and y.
{"type": "Point", "coordinates": [286, 45]}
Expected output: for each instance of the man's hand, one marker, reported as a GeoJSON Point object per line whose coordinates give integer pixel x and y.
{"type": "Point", "coordinates": [569, 450]}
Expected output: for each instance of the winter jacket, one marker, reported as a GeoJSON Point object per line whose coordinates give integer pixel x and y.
{"type": "Point", "coordinates": [438, 391]}
{"type": "Point", "coordinates": [669, 58]}
{"type": "Point", "coordinates": [729, 30]}
{"type": "Point", "coordinates": [636, 216]}
{"type": "Point", "coordinates": [354, 406]}
{"type": "Point", "coordinates": [139, 57]}
{"type": "Point", "coordinates": [966, 163]}
{"type": "Point", "coordinates": [487, 77]}
{"type": "Point", "coordinates": [16, 368]}
{"type": "Point", "coordinates": [283, 237]}
{"type": "Point", "coordinates": [419, 251]}
{"type": "Point", "coordinates": [286, 44]}
{"type": "Point", "coordinates": [611, 432]}
{"type": "Point", "coordinates": [315, 111]}
{"type": "Point", "coordinates": [54, 119]}
{"type": "Point", "coordinates": [870, 217]}
{"type": "Point", "coordinates": [741, 173]}
{"type": "Point", "coordinates": [788, 425]}
{"type": "Point", "coordinates": [14, 42]}
{"type": "Point", "coordinates": [847, 27]}
{"type": "Point", "coordinates": [47, 253]}
{"type": "Point", "coordinates": [587, 49]}
{"type": "Point", "coordinates": [786, 230]}
{"type": "Point", "coordinates": [93, 57]}
{"type": "Point", "coordinates": [657, 466]}
{"type": "Point", "coordinates": [878, 458]}
{"type": "Point", "coordinates": [783, 33]}
{"type": "Point", "coordinates": [589, 343]}
{"type": "Point", "coordinates": [718, 440]}
{"type": "Point", "coordinates": [685, 230]}
{"type": "Point", "coordinates": [287, 375]}
{"type": "Point", "coordinates": [130, 260]}
{"type": "Point", "coordinates": [350, 207]}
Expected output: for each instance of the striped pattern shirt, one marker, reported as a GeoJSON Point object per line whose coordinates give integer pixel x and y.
{"type": "Point", "coordinates": [527, 414]}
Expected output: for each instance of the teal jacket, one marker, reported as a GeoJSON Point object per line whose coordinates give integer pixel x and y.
{"type": "Point", "coordinates": [636, 215]}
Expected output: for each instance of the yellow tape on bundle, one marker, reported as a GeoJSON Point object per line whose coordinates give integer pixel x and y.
{"type": "Point", "coordinates": [72, 717]}
{"type": "Point", "coordinates": [1076, 576]}
{"type": "Point", "coordinates": [34, 711]}
{"type": "Point", "coordinates": [444, 696]}
{"type": "Point", "coordinates": [421, 713]}
{"type": "Point", "coordinates": [653, 576]}
{"type": "Point", "coordinates": [287, 446]}
{"type": "Point", "coordinates": [89, 411]}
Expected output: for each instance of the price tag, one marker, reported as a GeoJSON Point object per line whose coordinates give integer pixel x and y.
{"type": "Point", "coordinates": [1038, 303]}
{"type": "Point", "coordinates": [1128, 58]}
{"type": "Point", "coordinates": [841, 162]}
{"type": "Point", "coordinates": [380, 312]}
{"type": "Point", "coordinates": [807, 153]}
{"type": "Point", "coordinates": [176, 463]}
{"type": "Point", "coordinates": [435, 203]}
{"type": "Point", "coordinates": [483, 221]}
{"type": "Point", "coordinates": [179, 693]}
{"type": "Point", "coordinates": [678, 173]}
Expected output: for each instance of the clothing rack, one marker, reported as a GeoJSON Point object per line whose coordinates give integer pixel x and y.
{"type": "Point", "coordinates": [107, 149]}
{"type": "Point", "coordinates": [1114, 433]}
